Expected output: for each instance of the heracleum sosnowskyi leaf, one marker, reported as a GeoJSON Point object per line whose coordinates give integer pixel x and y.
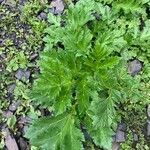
{"type": "Point", "coordinates": [56, 133]}
{"type": "Point", "coordinates": [83, 76]}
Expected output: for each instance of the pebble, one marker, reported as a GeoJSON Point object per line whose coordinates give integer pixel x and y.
{"type": "Point", "coordinates": [24, 130]}
{"type": "Point", "coordinates": [58, 6]}
{"type": "Point", "coordinates": [22, 2]}
{"type": "Point", "coordinates": [42, 16]}
{"type": "Point", "coordinates": [134, 67]}
{"type": "Point", "coordinates": [135, 137]}
{"type": "Point", "coordinates": [23, 144]}
{"type": "Point", "coordinates": [33, 56]}
{"type": "Point", "coordinates": [115, 146]}
{"type": "Point", "coordinates": [24, 120]}
{"type": "Point", "coordinates": [120, 134]}
{"type": "Point", "coordinates": [1, 41]}
{"type": "Point", "coordinates": [148, 128]}
{"type": "Point", "coordinates": [20, 74]}
{"type": "Point", "coordinates": [1, 1]}
{"type": "Point", "coordinates": [14, 106]}
{"type": "Point", "coordinates": [11, 88]}
{"type": "Point", "coordinates": [10, 141]}
{"type": "Point", "coordinates": [7, 114]}
{"type": "Point", "coordinates": [148, 111]}
{"type": "Point", "coordinates": [122, 127]}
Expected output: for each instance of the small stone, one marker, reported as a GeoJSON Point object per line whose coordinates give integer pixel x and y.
{"type": "Point", "coordinates": [1, 1]}
{"type": "Point", "coordinates": [27, 74]}
{"type": "Point", "coordinates": [148, 128]}
{"type": "Point", "coordinates": [20, 74]}
{"type": "Point", "coordinates": [24, 120]}
{"type": "Point", "coordinates": [148, 110]}
{"type": "Point", "coordinates": [22, 2]}
{"type": "Point", "coordinates": [115, 146]}
{"type": "Point", "coordinates": [1, 40]}
{"type": "Point", "coordinates": [11, 88]}
{"type": "Point", "coordinates": [33, 56]}
{"type": "Point", "coordinates": [58, 5]}
{"type": "Point", "coordinates": [14, 106]}
{"type": "Point", "coordinates": [42, 16]}
{"type": "Point", "coordinates": [2, 56]}
{"type": "Point", "coordinates": [122, 127]}
{"type": "Point", "coordinates": [23, 144]}
{"type": "Point", "coordinates": [120, 136]}
{"type": "Point", "coordinates": [51, 10]}
{"type": "Point", "coordinates": [7, 114]}
{"type": "Point", "coordinates": [25, 128]}
{"type": "Point", "coordinates": [10, 141]}
{"type": "Point", "coordinates": [135, 137]}
{"type": "Point", "coordinates": [134, 67]}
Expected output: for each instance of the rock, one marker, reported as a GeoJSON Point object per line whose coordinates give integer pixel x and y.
{"type": "Point", "coordinates": [33, 56]}
{"type": "Point", "coordinates": [20, 74]}
{"type": "Point", "coordinates": [7, 114]}
{"type": "Point", "coordinates": [27, 74]}
{"type": "Point", "coordinates": [2, 56]}
{"type": "Point", "coordinates": [42, 16]}
{"type": "Point", "coordinates": [115, 146]}
{"type": "Point", "coordinates": [120, 134]}
{"type": "Point", "coordinates": [22, 2]}
{"type": "Point", "coordinates": [14, 106]}
{"type": "Point", "coordinates": [134, 67]}
{"type": "Point", "coordinates": [10, 141]}
{"type": "Point", "coordinates": [11, 3]}
{"type": "Point", "coordinates": [58, 6]}
{"type": "Point", "coordinates": [10, 91]}
{"type": "Point", "coordinates": [1, 40]}
{"type": "Point", "coordinates": [24, 120]}
{"type": "Point", "coordinates": [1, 1]}
{"type": "Point", "coordinates": [148, 128]}
{"type": "Point", "coordinates": [148, 111]}
{"type": "Point", "coordinates": [11, 88]}
{"type": "Point", "coordinates": [23, 144]}
{"type": "Point", "coordinates": [122, 127]}
{"type": "Point", "coordinates": [51, 10]}
{"type": "Point", "coordinates": [25, 128]}
{"type": "Point", "coordinates": [135, 137]}
{"type": "Point", "coordinates": [23, 124]}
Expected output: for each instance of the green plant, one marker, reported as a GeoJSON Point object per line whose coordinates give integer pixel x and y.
{"type": "Point", "coordinates": [135, 145]}
{"type": "Point", "coordinates": [83, 77]}
{"type": "Point", "coordinates": [16, 61]}
{"type": "Point", "coordinates": [32, 7]}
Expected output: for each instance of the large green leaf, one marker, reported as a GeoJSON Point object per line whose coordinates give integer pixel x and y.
{"type": "Point", "coordinates": [103, 116]}
{"type": "Point", "coordinates": [56, 133]}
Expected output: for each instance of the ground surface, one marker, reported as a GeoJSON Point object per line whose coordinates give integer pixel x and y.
{"type": "Point", "coordinates": [21, 33]}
